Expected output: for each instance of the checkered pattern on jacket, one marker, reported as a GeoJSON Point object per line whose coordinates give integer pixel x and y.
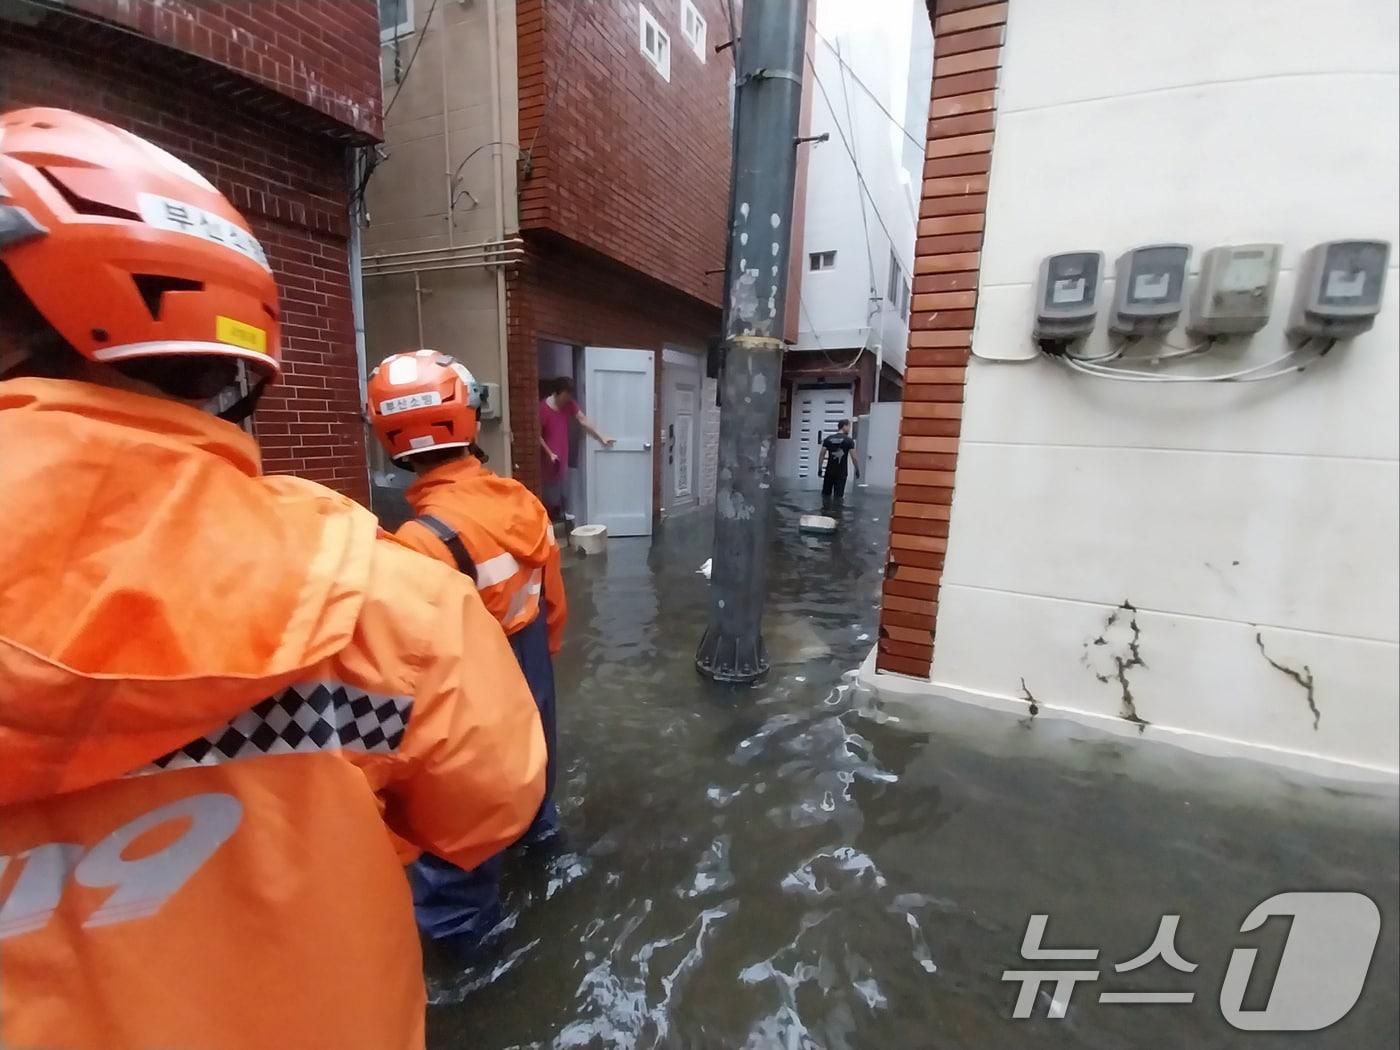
{"type": "Point", "coordinates": [306, 717]}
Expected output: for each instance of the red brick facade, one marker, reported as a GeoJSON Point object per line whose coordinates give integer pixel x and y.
{"type": "Point", "coordinates": [626, 163]}
{"type": "Point", "coordinates": [573, 296]}
{"type": "Point", "coordinates": [624, 197]}
{"type": "Point", "coordinates": [947, 258]}
{"type": "Point", "coordinates": [281, 163]}
{"type": "Point", "coordinates": [322, 53]}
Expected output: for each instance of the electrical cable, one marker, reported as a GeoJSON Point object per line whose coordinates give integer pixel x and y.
{"type": "Point", "coordinates": [457, 194]}
{"type": "Point", "coordinates": [860, 176]}
{"type": "Point", "coordinates": [864, 222]}
{"type": "Point", "coordinates": [1112, 355]}
{"type": "Point", "coordinates": [1244, 375]}
{"type": "Point", "coordinates": [574, 9]}
{"type": "Point", "coordinates": [873, 97]}
{"type": "Point", "coordinates": [1184, 351]}
{"type": "Point", "coordinates": [422, 35]}
{"type": "Point", "coordinates": [733, 40]}
{"type": "Point", "coordinates": [802, 307]}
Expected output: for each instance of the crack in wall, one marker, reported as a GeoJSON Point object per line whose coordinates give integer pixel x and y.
{"type": "Point", "coordinates": [1123, 662]}
{"type": "Point", "coordinates": [1303, 678]}
{"type": "Point", "coordinates": [1030, 699]}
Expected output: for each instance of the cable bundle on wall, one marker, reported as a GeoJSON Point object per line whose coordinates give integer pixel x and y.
{"type": "Point", "coordinates": [1101, 365]}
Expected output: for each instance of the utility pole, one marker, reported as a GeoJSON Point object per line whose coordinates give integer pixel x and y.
{"type": "Point", "coordinates": [767, 118]}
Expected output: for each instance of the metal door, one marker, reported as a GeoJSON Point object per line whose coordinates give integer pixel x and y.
{"type": "Point", "coordinates": [620, 392]}
{"type": "Point", "coordinates": [816, 414]}
{"type": "Point", "coordinates": [680, 431]}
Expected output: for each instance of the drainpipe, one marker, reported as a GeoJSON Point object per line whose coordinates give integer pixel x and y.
{"type": "Point", "coordinates": [879, 350]}
{"type": "Point", "coordinates": [446, 135]}
{"type": "Point", "coordinates": [499, 181]}
{"type": "Point", "coordinates": [357, 294]}
{"type": "Point", "coordinates": [418, 305]}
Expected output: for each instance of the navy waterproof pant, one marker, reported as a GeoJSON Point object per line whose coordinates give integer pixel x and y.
{"type": "Point", "coordinates": [465, 905]}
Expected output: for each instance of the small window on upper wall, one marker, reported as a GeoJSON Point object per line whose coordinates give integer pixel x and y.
{"type": "Point", "coordinates": [821, 261]}
{"type": "Point", "coordinates": [693, 28]}
{"type": "Point", "coordinates": [904, 302]}
{"type": "Point", "coordinates": [395, 19]}
{"type": "Point", "coordinates": [655, 42]}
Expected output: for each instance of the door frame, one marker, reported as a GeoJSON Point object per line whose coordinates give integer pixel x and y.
{"type": "Point", "coordinates": [674, 361]}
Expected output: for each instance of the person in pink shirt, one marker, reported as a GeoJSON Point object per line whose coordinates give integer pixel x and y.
{"type": "Point", "coordinates": [556, 411]}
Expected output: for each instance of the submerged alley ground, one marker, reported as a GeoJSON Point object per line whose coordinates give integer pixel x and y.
{"type": "Point", "coordinates": [786, 866]}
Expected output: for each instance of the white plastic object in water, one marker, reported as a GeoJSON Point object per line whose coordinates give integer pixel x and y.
{"type": "Point", "coordinates": [590, 539]}
{"type": "Point", "coordinates": [817, 523]}
{"type": "Point", "coordinates": [704, 570]}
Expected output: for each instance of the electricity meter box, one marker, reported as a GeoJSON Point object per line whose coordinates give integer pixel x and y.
{"type": "Point", "coordinates": [490, 394]}
{"type": "Point", "coordinates": [1067, 295]}
{"type": "Point", "coordinates": [1149, 285]}
{"type": "Point", "coordinates": [1339, 289]}
{"type": "Point", "coordinates": [1235, 291]}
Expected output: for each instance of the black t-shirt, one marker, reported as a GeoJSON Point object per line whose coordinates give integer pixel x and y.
{"type": "Point", "coordinates": [838, 450]}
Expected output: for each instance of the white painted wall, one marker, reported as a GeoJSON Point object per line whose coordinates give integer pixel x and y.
{"type": "Point", "coordinates": [1229, 517]}
{"type": "Point", "coordinates": [837, 310]}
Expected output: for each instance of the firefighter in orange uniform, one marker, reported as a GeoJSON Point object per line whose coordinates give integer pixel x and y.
{"type": "Point", "coordinates": [214, 682]}
{"type": "Point", "coordinates": [425, 409]}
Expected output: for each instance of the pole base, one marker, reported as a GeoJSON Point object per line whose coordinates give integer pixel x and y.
{"type": "Point", "coordinates": [728, 658]}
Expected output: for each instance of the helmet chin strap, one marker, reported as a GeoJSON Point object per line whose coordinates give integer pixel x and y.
{"type": "Point", "coordinates": [240, 408]}
{"type": "Point", "coordinates": [238, 412]}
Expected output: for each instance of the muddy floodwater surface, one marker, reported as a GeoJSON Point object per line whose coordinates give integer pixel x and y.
{"type": "Point", "coordinates": [791, 866]}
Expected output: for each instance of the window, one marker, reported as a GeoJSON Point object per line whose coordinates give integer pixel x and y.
{"type": "Point", "coordinates": [821, 261]}
{"type": "Point", "coordinates": [693, 28]}
{"type": "Point", "coordinates": [892, 292]}
{"type": "Point", "coordinates": [655, 44]}
{"type": "Point", "coordinates": [904, 302]}
{"type": "Point", "coordinates": [395, 19]}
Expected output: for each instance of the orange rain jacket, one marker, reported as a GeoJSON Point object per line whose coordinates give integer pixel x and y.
{"type": "Point", "coordinates": [214, 683]}
{"type": "Point", "coordinates": [507, 532]}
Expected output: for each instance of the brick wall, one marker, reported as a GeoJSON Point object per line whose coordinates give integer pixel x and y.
{"type": "Point", "coordinates": [322, 53]}
{"type": "Point", "coordinates": [627, 163]}
{"type": "Point", "coordinates": [962, 113]}
{"type": "Point", "coordinates": [571, 295]}
{"type": "Point", "coordinates": [288, 180]}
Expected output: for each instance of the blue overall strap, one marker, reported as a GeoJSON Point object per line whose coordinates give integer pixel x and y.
{"type": "Point", "coordinates": [453, 542]}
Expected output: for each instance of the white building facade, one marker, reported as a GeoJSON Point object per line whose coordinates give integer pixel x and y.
{"type": "Point", "coordinates": [1214, 563]}
{"type": "Point", "coordinates": [859, 214]}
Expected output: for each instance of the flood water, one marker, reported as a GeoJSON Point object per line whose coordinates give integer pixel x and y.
{"type": "Point", "coordinates": [790, 866]}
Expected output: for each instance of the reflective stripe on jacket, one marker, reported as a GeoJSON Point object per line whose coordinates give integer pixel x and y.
{"type": "Point", "coordinates": [218, 688]}
{"type": "Point", "coordinates": [507, 532]}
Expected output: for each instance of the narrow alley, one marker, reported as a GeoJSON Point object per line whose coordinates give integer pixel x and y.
{"type": "Point", "coordinates": [790, 867]}
{"type": "Point", "coordinates": [699, 525]}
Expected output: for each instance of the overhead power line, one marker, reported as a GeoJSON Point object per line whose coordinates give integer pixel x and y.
{"type": "Point", "coordinates": [873, 97]}
{"type": "Point", "coordinates": [850, 152]}
{"type": "Point", "coordinates": [422, 35]}
{"type": "Point", "coordinates": [554, 87]}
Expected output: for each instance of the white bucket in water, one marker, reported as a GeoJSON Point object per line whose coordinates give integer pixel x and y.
{"type": "Point", "coordinates": [590, 539]}
{"type": "Point", "coordinates": [817, 523]}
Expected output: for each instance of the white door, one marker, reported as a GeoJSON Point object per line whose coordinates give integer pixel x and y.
{"type": "Point", "coordinates": [816, 413]}
{"type": "Point", "coordinates": [680, 431]}
{"type": "Point", "coordinates": [620, 398]}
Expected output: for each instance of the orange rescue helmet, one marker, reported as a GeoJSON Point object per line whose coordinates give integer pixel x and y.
{"type": "Point", "coordinates": [423, 401]}
{"type": "Point", "coordinates": [127, 251]}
